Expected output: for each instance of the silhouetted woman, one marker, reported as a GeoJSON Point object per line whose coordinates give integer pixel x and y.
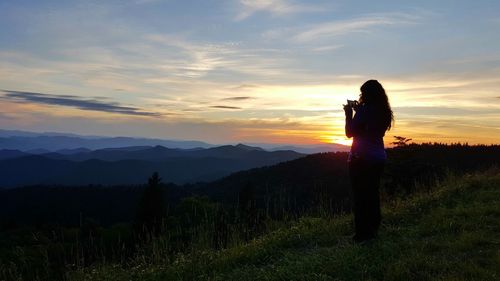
{"type": "Point", "coordinates": [367, 157]}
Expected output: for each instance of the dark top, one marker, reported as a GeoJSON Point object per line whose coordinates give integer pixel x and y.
{"type": "Point", "coordinates": [367, 128]}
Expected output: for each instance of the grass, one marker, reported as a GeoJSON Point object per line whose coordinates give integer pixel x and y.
{"type": "Point", "coordinates": [451, 232]}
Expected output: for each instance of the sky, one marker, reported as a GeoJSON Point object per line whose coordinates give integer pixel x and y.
{"type": "Point", "coordinates": [262, 71]}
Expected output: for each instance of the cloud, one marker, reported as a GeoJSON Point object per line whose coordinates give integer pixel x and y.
{"type": "Point", "coordinates": [142, 2]}
{"type": "Point", "coordinates": [360, 24]}
{"type": "Point", "coordinates": [75, 102]}
{"type": "Point", "coordinates": [245, 87]}
{"type": "Point", "coordinates": [327, 48]}
{"type": "Point", "coordinates": [225, 107]}
{"type": "Point", "coordinates": [443, 111]}
{"type": "Point", "coordinates": [274, 7]}
{"type": "Point", "coordinates": [237, 98]}
{"type": "Point", "coordinates": [198, 59]}
{"type": "Point", "coordinates": [5, 116]}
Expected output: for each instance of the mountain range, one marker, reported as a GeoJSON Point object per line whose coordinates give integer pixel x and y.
{"type": "Point", "coordinates": [47, 141]}
{"type": "Point", "coordinates": [133, 165]}
{"type": "Point", "coordinates": [30, 158]}
{"type": "Point", "coordinates": [37, 143]}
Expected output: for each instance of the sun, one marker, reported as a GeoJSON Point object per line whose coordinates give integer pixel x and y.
{"type": "Point", "coordinates": [338, 140]}
{"type": "Point", "coordinates": [347, 142]}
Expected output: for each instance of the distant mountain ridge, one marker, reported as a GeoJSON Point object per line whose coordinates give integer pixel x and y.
{"type": "Point", "coordinates": [313, 149]}
{"type": "Point", "coordinates": [12, 153]}
{"type": "Point", "coordinates": [54, 143]}
{"type": "Point", "coordinates": [39, 143]}
{"type": "Point", "coordinates": [149, 153]}
{"type": "Point", "coordinates": [19, 133]}
{"type": "Point", "coordinates": [131, 165]}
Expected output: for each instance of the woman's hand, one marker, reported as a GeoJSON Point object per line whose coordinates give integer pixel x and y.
{"type": "Point", "coordinates": [348, 111]}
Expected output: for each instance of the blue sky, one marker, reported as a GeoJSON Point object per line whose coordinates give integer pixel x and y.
{"type": "Point", "coordinates": [249, 71]}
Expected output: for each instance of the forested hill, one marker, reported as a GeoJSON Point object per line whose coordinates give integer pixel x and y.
{"type": "Point", "coordinates": [325, 174]}
{"type": "Point", "coordinates": [448, 232]}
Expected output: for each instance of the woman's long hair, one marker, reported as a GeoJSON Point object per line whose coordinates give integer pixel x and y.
{"type": "Point", "coordinates": [373, 93]}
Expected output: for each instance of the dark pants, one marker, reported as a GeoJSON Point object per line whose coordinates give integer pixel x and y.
{"type": "Point", "coordinates": [365, 181]}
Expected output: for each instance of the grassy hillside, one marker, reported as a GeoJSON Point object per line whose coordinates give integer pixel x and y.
{"type": "Point", "coordinates": [451, 232]}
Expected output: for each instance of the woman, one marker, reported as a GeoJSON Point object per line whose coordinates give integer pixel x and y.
{"type": "Point", "coordinates": [367, 157]}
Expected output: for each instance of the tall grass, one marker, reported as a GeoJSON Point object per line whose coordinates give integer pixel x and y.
{"type": "Point", "coordinates": [445, 232]}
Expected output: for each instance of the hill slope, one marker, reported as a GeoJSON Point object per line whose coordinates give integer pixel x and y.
{"type": "Point", "coordinates": [450, 233]}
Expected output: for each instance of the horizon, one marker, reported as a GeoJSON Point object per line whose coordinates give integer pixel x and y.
{"type": "Point", "coordinates": [263, 145]}
{"type": "Point", "coordinates": [66, 134]}
{"type": "Point", "coordinates": [264, 71]}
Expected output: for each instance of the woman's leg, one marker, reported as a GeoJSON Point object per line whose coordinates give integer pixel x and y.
{"type": "Point", "coordinates": [360, 198]}
{"type": "Point", "coordinates": [373, 203]}
{"type": "Point", "coordinates": [365, 181]}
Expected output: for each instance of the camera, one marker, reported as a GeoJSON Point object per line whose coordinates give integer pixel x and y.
{"type": "Point", "coordinates": [352, 104]}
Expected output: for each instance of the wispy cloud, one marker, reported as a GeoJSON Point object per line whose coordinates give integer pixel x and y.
{"type": "Point", "coordinates": [443, 111]}
{"type": "Point", "coordinates": [225, 107]}
{"type": "Point", "coordinates": [199, 58]}
{"type": "Point", "coordinates": [196, 60]}
{"type": "Point", "coordinates": [142, 2]}
{"type": "Point", "coordinates": [75, 102]}
{"type": "Point", "coordinates": [5, 116]}
{"type": "Point", "coordinates": [360, 24]}
{"type": "Point", "coordinates": [237, 98]}
{"type": "Point", "coordinates": [274, 7]}
{"type": "Point", "coordinates": [327, 48]}
{"type": "Point", "coordinates": [245, 87]}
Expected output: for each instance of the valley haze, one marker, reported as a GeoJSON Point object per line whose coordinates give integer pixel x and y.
{"type": "Point", "coordinates": [28, 158]}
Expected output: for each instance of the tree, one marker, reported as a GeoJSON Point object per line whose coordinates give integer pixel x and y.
{"type": "Point", "coordinates": [152, 209]}
{"type": "Point", "coordinates": [400, 141]}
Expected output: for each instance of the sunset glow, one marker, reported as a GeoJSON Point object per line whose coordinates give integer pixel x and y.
{"type": "Point", "coordinates": [273, 71]}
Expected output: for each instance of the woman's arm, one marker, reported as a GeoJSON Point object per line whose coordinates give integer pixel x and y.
{"type": "Point", "coordinates": [354, 126]}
